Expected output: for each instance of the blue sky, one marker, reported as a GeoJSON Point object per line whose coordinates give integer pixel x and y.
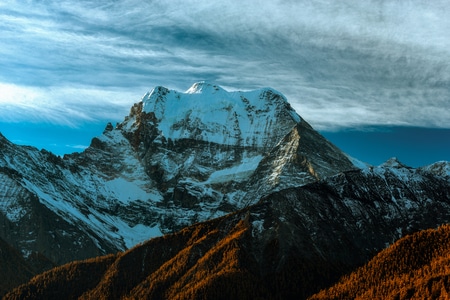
{"type": "Point", "coordinates": [367, 74]}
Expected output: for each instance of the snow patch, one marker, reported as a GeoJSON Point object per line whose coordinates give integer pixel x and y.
{"type": "Point", "coordinates": [127, 191]}
{"type": "Point", "coordinates": [257, 227]}
{"type": "Point", "coordinates": [358, 163]}
{"type": "Point", "coordinates": [136, 234]}
{"type": "Point", "coordinates": [237, 172]}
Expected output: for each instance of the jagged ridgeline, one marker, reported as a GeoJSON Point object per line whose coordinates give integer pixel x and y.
{"type": "Point", "coordinates": [278, 210]}
{"type": "Point", "coordinates": [289, 245]}
{"type": "Point", "coordinates": [176, 159]}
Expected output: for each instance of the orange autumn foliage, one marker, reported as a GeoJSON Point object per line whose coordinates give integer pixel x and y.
{"type": "Point", "coordinates": [415, 267]}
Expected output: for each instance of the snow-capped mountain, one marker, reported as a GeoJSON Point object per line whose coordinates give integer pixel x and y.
{"type": "Point", "coordinates": [183, 158]}
{"type": "Point", "coordinates": [177, 159]}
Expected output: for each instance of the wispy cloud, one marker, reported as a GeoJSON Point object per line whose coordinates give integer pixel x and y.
{"type": "Point", "coordinates": [61, 105]}
{"type": "Point", "coordinates": [340, 63]}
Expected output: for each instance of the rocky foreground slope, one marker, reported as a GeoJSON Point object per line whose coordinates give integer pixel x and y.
{"type": "Point", "coordinates": [288, 245]}
{"type": "Point", "coordinates": [177, 159]}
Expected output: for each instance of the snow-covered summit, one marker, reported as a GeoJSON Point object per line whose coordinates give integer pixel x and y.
{"type": "Point", "coordinates": [393, 162]}
{"type": "Point", "coordinates": [209, 113]}
{"type": "Point", "coordinates": [204, 87]}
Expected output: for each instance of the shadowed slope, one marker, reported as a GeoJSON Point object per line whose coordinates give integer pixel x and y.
{"type": "Point", "coordinates": [15, 269]}
{"type": "Point", "coordinates": [289, 245]}
{"type": "Point", "coordinates": [65, 282]}
{"type": "Point", "coordinates": [415, 267]}
{"type": "Point", "coordinates": [218, 259]}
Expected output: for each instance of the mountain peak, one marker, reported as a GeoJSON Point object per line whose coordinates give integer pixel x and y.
{"type": "Point", "coordinates": [440, 168]}
{"type": "Point", "coordinates": [204, 86]}
{"type": "Point", "coordinates": [393, 162]}
{"type": "Point", "coordinates": [207, 112]}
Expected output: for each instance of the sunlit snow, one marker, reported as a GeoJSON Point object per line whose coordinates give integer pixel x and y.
{"type": "Point", "coordinates": [206, 111]}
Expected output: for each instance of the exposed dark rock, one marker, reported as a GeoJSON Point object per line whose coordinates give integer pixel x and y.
{"type": "Point", "coordinates": [289, 245]}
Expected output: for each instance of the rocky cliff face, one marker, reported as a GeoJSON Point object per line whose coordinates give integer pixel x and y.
{"type": "Point", "coordinates": [177, 159]}
{"type": "Point", "coordinates": [288, 245]}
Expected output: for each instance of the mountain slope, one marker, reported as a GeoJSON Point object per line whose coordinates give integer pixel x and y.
{"type": "Point", "coordinates": [176, 159]}
{"type": "Point", "coordinates": [415, 267]}
{"type": "Point", "coordinates": [12, 262]}
{"type": "Point", "coordinates": [29, 222]}
{"type": "Point", "coordinates": [290, 244]}
{"type": "Point", "coordinates": [301, 157]}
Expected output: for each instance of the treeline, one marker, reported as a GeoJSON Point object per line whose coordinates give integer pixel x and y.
{"type": "Point", "coordinates": [415, 267]}
{"type": "Point", "coordinates": [210, 260]}
{"type": "Point", "coordinates": [219, 259]}
{"type": "Point", "coordinates": [69, 281]}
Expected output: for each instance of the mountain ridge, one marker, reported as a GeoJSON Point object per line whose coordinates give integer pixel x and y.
{"type": "Point", "coordinates": [290, 244]}
{"type": "Point", "coordinates": [270, 199]}
{"type": "Point", "coordinates": [161, 169]}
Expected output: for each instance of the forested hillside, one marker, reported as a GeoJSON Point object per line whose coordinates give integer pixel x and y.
{"type": "Point", "coordinates": [415, 267]}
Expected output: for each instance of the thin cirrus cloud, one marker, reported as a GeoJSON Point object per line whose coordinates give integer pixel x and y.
{"type": "Point", "coordinates": [340, 63]}
{"type": "Point", "coordinates": [69, 106]}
